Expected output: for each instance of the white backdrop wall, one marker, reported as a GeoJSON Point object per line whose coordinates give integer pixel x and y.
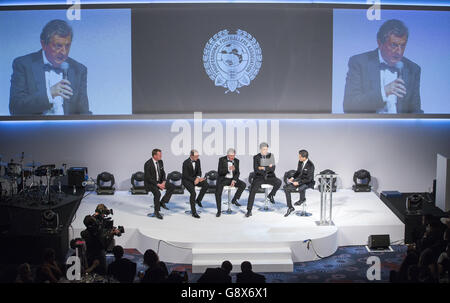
{"type": "Point", "coordinates": [400, 154]}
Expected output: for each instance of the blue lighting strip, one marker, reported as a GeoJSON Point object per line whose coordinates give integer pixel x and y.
{"type": "Point", "coordinates": [358, 2]}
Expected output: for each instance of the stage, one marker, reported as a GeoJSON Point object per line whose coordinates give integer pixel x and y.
{"type": "Point", "coordinates": [269, 240]}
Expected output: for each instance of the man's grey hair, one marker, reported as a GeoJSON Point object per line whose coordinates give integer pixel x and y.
{"type": "Point", "coordinates": [193, 152]}
{"type": "Point", "coordinates": [263, 144]}
{"type": "Point", "coordinates": [231, 151]}
{"type": "Point", "coordinates": [56, 27]}
{"type": "Point", "coordinates": [392, 26]}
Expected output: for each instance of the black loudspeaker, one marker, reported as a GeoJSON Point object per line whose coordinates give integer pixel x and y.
{"type": "Point", "coordinates": [379, 241]}
{"type": "Point", "coordinates": [76, 176]}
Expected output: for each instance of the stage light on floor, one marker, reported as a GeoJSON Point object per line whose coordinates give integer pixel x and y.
{"type": "Point", "coordinates": [137, 184]}
{"type": "Point", "coordinates": [414, 204]}
{"type": "Point", "coordinates": [175, 178]}
{"type": "Point", "coordinates": [362, 179]}
{"type": "Point", "coordinates": [49, 222]}
{"type": "Point", "coordinates": [105, 184]}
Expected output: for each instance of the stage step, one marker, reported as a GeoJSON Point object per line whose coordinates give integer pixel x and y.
{"type": "Point", "coordinates": [263, 259]}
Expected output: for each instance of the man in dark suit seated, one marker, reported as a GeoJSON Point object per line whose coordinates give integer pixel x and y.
{"type": "Point", "coordinates": [38, 83]}
{"type": "Point", "coordinates": [382, 80]}
{"type": "Point", "coordinates": [302, 179]}
{"type": "Point", "coordinates": [228, 171]}
{"type": "Point", "coordinates": [155, 180]}
{"type": "Point", "coordinates": [248, 276]}
{"type": "Point", "coordinates": [264, 168]}
{"type": "Point", "coordinates": [217, 275]}
{"type": "Point", "coordinates": [122, 269]}
{"type": "Point", "coordinates": [192, 177]}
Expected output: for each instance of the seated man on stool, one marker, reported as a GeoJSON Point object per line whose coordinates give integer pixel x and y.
{"type": "Point", "coordinates": [228, 172]}
{"type": "Point", "coordinates": [264, 168]}
{"type": "Point", "coordinates": [191, 177]}
{"type": "Point", "coordinates": [155, 180]}
{"type": "Point", "coordinates": [302, 179]}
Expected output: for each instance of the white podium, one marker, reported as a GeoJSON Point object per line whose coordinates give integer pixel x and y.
{"type": "Point", "coordinates": [443, 182]}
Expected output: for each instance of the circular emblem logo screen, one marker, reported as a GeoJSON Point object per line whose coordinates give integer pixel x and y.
{"type": "Point", "coordinates": [232, 60]}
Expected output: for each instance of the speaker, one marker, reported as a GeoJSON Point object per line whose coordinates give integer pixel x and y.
{"type": "Point", "coordinates": [76, 176]}
{"type": "Point", "coordinates": [379, 241]}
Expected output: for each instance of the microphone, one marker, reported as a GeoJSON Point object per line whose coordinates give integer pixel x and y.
{"type": "Point", "coordinates": [399, 67]}
{"type": "Point", "coordinates": [65, 68]}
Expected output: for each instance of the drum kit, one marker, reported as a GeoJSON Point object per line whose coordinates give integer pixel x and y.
{"type": "Point", "coordinates": [31, 181]}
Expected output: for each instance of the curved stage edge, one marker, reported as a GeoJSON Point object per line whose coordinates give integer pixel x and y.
{"type": "Point", "coordinates": [269, 240]}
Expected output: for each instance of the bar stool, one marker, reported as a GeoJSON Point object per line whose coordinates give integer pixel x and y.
{"type": "Point", "coordinates": [267, 188]}
{"type": "Point", "coordinates": [303, 212]}
{"type": "Point", "coordinates": [189, 212]}
{"type": "Point", "coordinates": [229, 189]}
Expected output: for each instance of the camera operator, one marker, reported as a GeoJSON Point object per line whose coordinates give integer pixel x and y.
{"type": "Point", "coordinates": [99, 236]}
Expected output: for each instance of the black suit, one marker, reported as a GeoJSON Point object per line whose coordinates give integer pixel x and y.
{"type": "Point", "coordinates": [305, 179]}
{"type": "Point", "coordinates": [214, 275]}
{"type": "Point", "coordinates": [188, 177]}
{"type": "Point", "coordinates": [266, 176]}
{"type": "Point", "coordinates": [151, 181]}
{"type": "Point", "coordinates": [222, 180]}
{"type": "Point", "coordinates": [363, 85]}
{"type": "Point", "coordinates": [28, 92]}
{"type": "Point", "coordinates": [250, 277]}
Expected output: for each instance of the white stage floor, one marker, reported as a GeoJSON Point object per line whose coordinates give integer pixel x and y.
{"type": "Point", "coordinates": [269, 240]}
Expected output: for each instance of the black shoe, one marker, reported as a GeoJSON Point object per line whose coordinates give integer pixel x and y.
{"type": "Point", "coordinates": [195, 215]}
{"type": "Point", "coordinates": [163, 205]}
{"type": "Point", "coordinates": [236, 203]}
{"type": "Point", "coordinates": [218, 214]}
{"type": "Point", "coordinates": [271, 199]}
{"type": "Point", "coordinates": [199, 203]}
{"type": "Point", "coordinates": [289, 211]}
{"type": "Point", "coordinates": [299, 202]}
{"type": "Point", "coordinates": [248, 214]}
{"type": "Point", "coordinates": [158, 215]}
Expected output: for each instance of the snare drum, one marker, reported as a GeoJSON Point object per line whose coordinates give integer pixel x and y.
{"type": "Point", "coordinates": [14, 170]}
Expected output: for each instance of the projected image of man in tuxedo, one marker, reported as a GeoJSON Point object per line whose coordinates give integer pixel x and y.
{"type": "Point", "coordinates": [383, 80]}
{"type": "Point", "coordinates": [49, 82]}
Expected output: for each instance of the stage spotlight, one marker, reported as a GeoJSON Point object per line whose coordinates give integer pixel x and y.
{"type": "Point", "coordinates": [49, 222]}
{"type": "Point", "coordinates": [175, 178]}
{"type": "Point", "coordinates": [287, 175]}
{"type": "Point", "coordinates": [251, 176]}
{"type": "Point", "coordinates": [362, 179]}
{"type": "Point", "coordinates": [211, 178]}
{"type": "Point", "coordinates": [137, 184]}
{"type": "Point", "coordinates": [105, 184]}
{"type": "Point", "coordinates": [328, 172]}
{"type": "Point", "coordinates": [414, 204]}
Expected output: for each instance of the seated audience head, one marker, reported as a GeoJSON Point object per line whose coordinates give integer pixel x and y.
{"type": "Point", "coordinates": [49, 255]}
{"type": "Point", "coordinates": [426, 258]}
{"type": "Point", "coordinates": [118, 252]}
{"type": "Point", "coordinates": [151, 259]}
{"type": "Point", "coordinates": [24, 273]}
{"type": "Point", "coordinates": [227, 266]}
{"type": "Point", "coordinates": [264, 148]}
{"type": "Point", "coordinates": [246, 266]}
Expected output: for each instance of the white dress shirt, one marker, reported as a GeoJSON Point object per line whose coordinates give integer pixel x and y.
{"type": "Point", "coordinates": [156, 169]}
{"type": "Point", "coordinates": [386, 77]}
{"type": "Point", "coordinates": [230, 172]}
{"type": "Point", "coordinates": [51, 78]}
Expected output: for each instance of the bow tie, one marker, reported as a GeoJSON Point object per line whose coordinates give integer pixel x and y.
{"type": "Point", "coordinates": [384, 66]}
{"type": "Point", "coordinates": [230, 161]}
{"type": "Point", "coordinates": [193, 161]}
{"type": "Point", "coordinates": [49, 67]}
